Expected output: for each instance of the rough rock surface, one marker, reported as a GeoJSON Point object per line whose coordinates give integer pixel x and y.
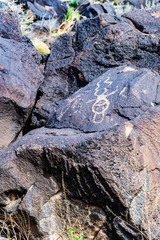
{"type": "Point", "coordinates": [9, 26]}
{"type": "Point", "coordinates": [113, 170]}
{"type": "Point", "coordinates": [20, 78]}
{"type": "Point", "coordinates": [97, 45]}
{"type": "Point", "coordinates": [38, 193]}
{"type": "Point", "coordinates": [48, 8]}
{"type": "Point", "coordinates": [98, 9]}
{"type": "Point", "coordinates": [120, 94]}
{"type": "Point", "coordinates": [103, 177]}
{"type": "Point", "coordinates": [146, 20]}
{"type": "Point", "coordinates": [59, 82]}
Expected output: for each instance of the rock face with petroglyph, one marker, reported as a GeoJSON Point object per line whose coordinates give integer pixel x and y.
{"type": "Point", "coordinates": [115, 170]}
{"type": "Point", "coordinates": [98, 170]}
{"type": "Point", "coordinates": [95, 46]}
{"type": "Point", "coordinates": [118, 95]}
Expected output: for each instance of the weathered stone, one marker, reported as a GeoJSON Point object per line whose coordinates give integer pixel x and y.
{"type": "Point", "coordinates": [62, 54]}
{"type": "Point", "coordinates": [19, 82]}
{"type": "Point", "coordinates": [137, 3]}
{"type": "Point", "coordinates": [9, 26]}
{"type": "Point", "coordinates": [46, 8]}
{"type": "Point", "coordinates": [97, 45]}
{"type": "Point", "coordinates": [118, 95]}
{"type": "Point", "coordinates": [146, 20]}
{"type": "Point", "coordinates": [52, 91]}
{"type": "Point", "coordinates": [107, 169]}
{"type": "Point", "coordinates": [36, 192]}
{"type": "Point", "coordinates": [41, 12]}
{"type": "Point", "coordinates": [113, 42]}
{"type": "Point", "coordinates": [98, 9]}
{"type": "Point", "coordinates": [59, 214]}
{"type": "Point", "coordinates": [59, 82]}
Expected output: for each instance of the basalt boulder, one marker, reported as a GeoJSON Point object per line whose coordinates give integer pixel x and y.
{"type": "Point", "coordinates": [31, 187]}
{"type": "Point", "coordinates": [59, 82]}
{"type": "Point", "coordinates": [97, 9]}
{"type": "Point", "coordinates": [48, 8]}
{"type": "Point", "coordinates": [9, 26]}
{"type": "Point", "coordinates": [20, 79]}
{"type": "Point", "coordinates": [115, 170]}
{"type": "Point", "coordinates": [146, 20]}
{"type": "Point", "coordinates": [96, 45]}
{"type": "Point", "coordinates": [120, 94]}
{"type": "Point", "coordinates": [107, 41]}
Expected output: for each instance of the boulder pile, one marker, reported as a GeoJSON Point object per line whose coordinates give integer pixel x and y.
{"type": "Point", "coordinates": [80, 129]}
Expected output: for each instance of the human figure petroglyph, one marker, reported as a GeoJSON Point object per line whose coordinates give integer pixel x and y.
{"type": "Point", "coordinates": [101, 103]}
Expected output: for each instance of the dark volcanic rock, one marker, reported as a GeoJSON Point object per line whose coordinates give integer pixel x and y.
{"type": "Point", "coordinates": [41, 12]}
{"type": "Point", "coordinates": [48, 8]}
{"type": "Point", "coordinates": [98, 9]}
{"type": "Point", "coordinates": [116, 170]}
{"type": "Point", "coordinates": [9, 26]}
{"type": "Point", "coordinates": [137, 3]}
{"type": "Point", "coordinates": [119, 94]}
{"type": "Point", "coordinates": [52, 91]}
{"type": "Point", "coordinates": [59, 82]}
{"type": "Point", "coordinates": [62, 53]}
{"type": "Point", "coordinates": [113, 42]}
{"type": "Point", "coordinates": [146, 20]}
{"type": "Point", "coordinates": [38, 191]}
{"type": "Point", "coordinates": [19, 82]}
{"type": "Point", "coordinates": [97, 45]}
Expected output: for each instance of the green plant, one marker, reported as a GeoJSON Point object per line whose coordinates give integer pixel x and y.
{"type": "Point", "coordinates": [72, 14]}
{"type": "Point", "coordinates": [70, 233]}
{"type": "Point", "coordinates": [55, 34]}
{"type": "Point", "coordinates": [73, 3]}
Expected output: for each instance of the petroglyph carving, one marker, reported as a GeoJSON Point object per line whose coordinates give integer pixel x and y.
{"type": "Point", "coordinates": [101, 100]}
{"type": "Point", "coordinates": [101, 103]}
{"type": "Point", "coordinates": [72, 102]}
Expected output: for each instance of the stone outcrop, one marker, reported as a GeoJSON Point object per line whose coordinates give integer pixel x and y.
{"type": "Point", "coordinates": [115, 170]}
{"type": "Point", "coordinates": [119, 94]}
{"type": "Point", "coordinates": [95, 46]}
{"type": "Point", "coordinates": [94, 168]}
{"type": "Point", "coordinates": [146, 20]}
{"type": "Point", "coordinates": [9, 26]}
{"type": "Point", "coordinates": [20, 79]}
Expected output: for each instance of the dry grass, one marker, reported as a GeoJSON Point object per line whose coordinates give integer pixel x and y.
{"type": "Point", "coordinates": [15, 225]}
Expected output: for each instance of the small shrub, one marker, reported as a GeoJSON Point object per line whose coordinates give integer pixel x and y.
{"type": "Point", "coordinates": [70, 233]}
{"type": "Point", "coordinates": [72, 14]}
{"type": "Point", "coordinates": [122, 9]}
{"type": "Point", "coordinates": [73, 3]}
{"type": "Point", "coordinates": [15, 225]}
